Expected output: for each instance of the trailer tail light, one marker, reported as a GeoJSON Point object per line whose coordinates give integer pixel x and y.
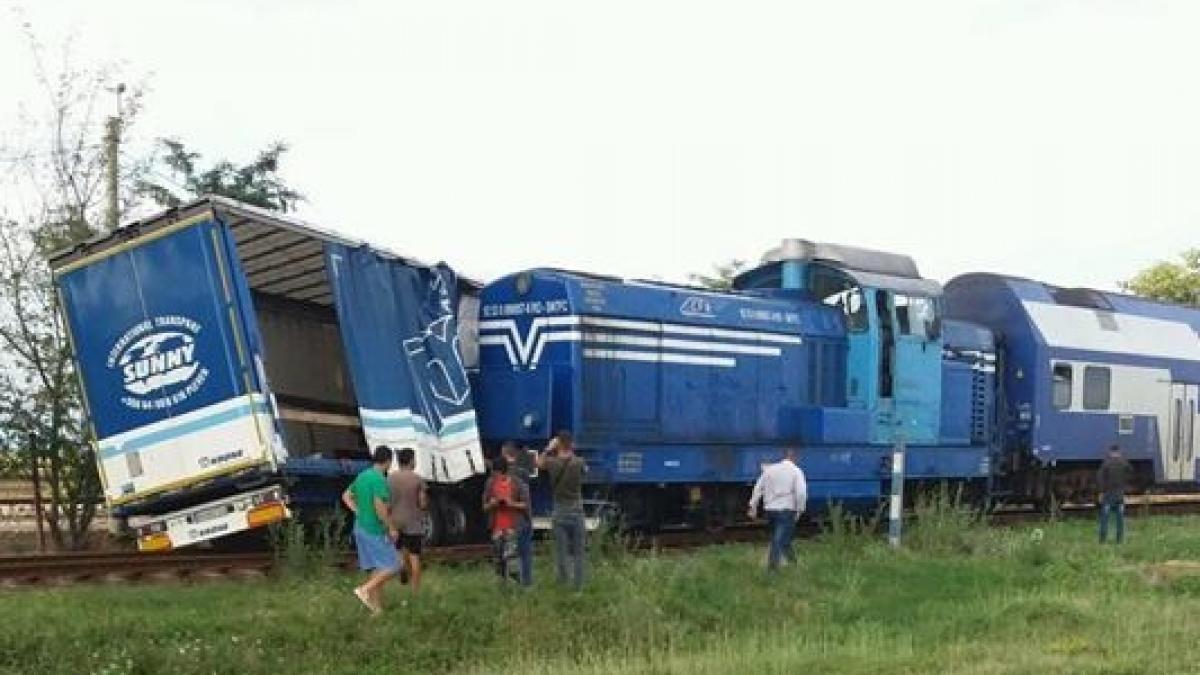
{"type": "Point", "coordinates": [265, 514]}
{"type": "Point", "coordinates": [157, 542]}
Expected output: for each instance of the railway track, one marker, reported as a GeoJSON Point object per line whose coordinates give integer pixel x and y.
{"type": "Point", "coordinates": [1135, 506]}
{"type": "Point", "coordinates": [60, 569]}
{"type": "Point", "coordinates": [129, 566]}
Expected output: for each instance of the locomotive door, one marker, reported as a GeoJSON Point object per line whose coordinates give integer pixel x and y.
{"type": "Point", "coordinates": [1179, 440]}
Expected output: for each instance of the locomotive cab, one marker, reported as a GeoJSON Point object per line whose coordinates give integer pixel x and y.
{"type": "Point", "coordinates": [893, 324]}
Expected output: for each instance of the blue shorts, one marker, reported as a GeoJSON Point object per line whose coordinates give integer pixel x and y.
{"type": "Point", "coordinates": [375, 551]}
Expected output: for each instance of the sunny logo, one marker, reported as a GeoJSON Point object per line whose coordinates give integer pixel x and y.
{"type": "Point", "coordinates": [158, 363]}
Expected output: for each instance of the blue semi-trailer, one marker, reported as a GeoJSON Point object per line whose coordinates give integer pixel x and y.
{"type": "Point", "coordinates": [236, 364]}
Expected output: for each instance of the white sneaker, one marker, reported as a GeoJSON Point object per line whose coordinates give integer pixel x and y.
{"type": "Point", "coordinates": [366, 601]}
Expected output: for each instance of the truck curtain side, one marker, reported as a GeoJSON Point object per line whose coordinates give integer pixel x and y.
{"type": "Point", "coordinates": [233, 360]}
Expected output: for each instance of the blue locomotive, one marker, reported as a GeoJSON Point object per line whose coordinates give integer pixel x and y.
{"type": "Point", "coordinates": [677, 395]}
{"type": "Point", "coordinates": [236, 364]}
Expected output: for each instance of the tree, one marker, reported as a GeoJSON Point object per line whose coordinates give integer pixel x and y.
{"type": "Point", "coordinates": [257, 183]}
{"type": "Point", "coordinates": [53, 199]}
{"type": "Point", "coordinates": [1170, 281]}
{"type": "Point", "coordinates": [721, 278]}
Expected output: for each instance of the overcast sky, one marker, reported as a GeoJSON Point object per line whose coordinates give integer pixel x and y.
{"type": "Point", "coordinates": [1055, 140]}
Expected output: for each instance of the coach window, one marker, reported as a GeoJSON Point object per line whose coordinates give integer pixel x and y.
{"type": "Point", "coordinates": [1097, 387]}
{"type": "Point", "coordinates": [1062, 386]}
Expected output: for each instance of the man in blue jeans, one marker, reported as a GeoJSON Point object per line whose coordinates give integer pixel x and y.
{"type": "Point", "coordinates": [784, 493]}
{"type": "Point", "coordinates": [518, 468]}
{"type": "Point", "coordinates": [565, 470]}
{"type": "Point", "coordinates": [1113, 480]}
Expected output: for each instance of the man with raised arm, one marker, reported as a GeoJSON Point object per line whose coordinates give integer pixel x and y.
{"type": "Point", "coordinates": [565, 470]}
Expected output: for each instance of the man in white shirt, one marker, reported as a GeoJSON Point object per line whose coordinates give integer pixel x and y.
{"type": "Point", "coordinates": [784, 493]}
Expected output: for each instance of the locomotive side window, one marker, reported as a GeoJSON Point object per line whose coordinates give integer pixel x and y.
{"type": "Point", "coordinates": [1062, 386]}
{"type": "Point", "coordinates": [1097, 388]}
{"type": "Point", "coordinates": [914, 315]}
{"type": "Point", "coordinates": [903, 320]}
{"type": "Point", "coordinates": [850, 301]}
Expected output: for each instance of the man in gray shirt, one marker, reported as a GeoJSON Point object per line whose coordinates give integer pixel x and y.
{"type": "Point", "coordinates": [565, 471]}
{"type": "Point", "coordinates": [406, 511]}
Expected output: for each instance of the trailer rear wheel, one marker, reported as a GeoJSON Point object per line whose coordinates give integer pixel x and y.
{"type": "Point", "coordinates": [446, 521]}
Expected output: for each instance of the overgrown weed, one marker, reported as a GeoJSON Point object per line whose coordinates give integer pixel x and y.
{"type": "Point", "coordinates": [943, 523]}
{"type": "Point", "coordinates": [304, 550]}
{"type": "Point", "coordinates": [848, 531]}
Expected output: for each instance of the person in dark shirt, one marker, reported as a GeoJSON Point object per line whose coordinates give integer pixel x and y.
{"type": "Point", "coordinates": [565, 470]}
{"type": "Point", "coordinates": [1113, 480]}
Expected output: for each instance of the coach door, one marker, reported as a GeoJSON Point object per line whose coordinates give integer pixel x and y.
{"type": "Point", "coordinates": [1180, 437]}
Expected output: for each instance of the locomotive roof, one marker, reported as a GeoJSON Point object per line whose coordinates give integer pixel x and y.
{"type": "Point", "coordinates": [846, 257]}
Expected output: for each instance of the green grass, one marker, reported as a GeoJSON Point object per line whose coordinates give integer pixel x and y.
{"type": "Point", "coordinates": [964, 599]}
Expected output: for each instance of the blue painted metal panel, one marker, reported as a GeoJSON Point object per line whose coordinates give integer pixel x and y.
{"type": "Point", "coordinates": [653, 464]}
{"type": "Point", "coordinates": [918, 388]}
{"type": "Point", "coordinates": [956, 402]}
{"type": "Point", "coordinates": [835, 426]}
{"type": "Point", "coordinates": [641, 362]}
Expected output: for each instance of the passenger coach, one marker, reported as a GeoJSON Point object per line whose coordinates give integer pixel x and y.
{"type": "Point", "coordinates": [1084, 369]}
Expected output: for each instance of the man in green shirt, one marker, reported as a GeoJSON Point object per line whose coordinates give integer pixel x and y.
{"type": "Point", "coordinates": [367, 499]}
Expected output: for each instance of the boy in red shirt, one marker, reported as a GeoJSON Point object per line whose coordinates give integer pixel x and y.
{"type": "Point", "coordinates": [506, 501]}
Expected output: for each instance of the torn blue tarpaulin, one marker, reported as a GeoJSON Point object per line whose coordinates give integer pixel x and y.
{"type": "Point", "coordinates": [399, 325]}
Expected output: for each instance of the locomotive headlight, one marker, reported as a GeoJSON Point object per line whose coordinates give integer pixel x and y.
{"type": "Point", "coordinates": [528, 420]}
{"type": "Point", "coordinates": [524, 283]}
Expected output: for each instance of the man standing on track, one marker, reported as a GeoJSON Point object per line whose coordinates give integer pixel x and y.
{"type": "Point", "coordinates": [1113, 480]}
{"type": "Point", "coordinates": [367, 499]}
{"type": "Point", "coordinates": [784, 494]}
{"type": "Point", "coordinates": [409, 502]}
{"type": "Point", "coordinates": [565, 470]}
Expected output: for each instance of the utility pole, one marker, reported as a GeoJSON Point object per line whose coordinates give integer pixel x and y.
{"type": "Point", "coordinates": [896, 510]}
{"type": "Point", "coordinates": [112, 162]}
{"type": "Point", "coordinates": [38, 514]}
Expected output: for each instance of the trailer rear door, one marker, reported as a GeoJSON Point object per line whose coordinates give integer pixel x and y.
{"type": "Point", "coordinates": [168, 360]}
